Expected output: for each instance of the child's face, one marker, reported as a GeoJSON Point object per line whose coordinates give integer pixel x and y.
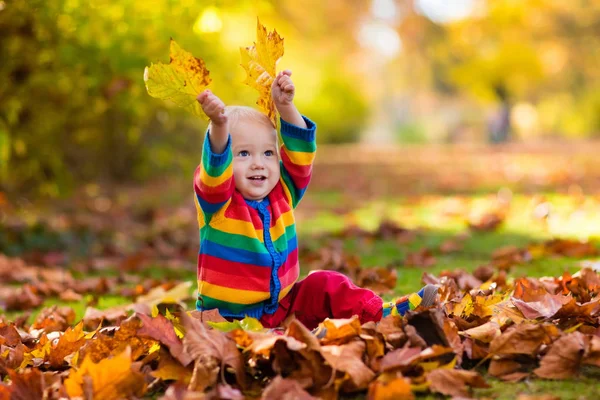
{"type": "Point", "coordinates": [255, 160]}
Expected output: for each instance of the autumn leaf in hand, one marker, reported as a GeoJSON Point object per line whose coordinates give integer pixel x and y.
{"type": "Point", "coordinates": [179, 81]}
{"type": "Point", "coordinates": [259, 61]}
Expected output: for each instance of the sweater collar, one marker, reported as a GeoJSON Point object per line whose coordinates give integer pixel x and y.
{"type": "Point", "coordinates": [258, 204]}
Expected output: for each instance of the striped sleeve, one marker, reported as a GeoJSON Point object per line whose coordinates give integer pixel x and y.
{"type": "Point", "coordinates": [297, 156]}
{"type": "Point", "coordinates": [213, 179]}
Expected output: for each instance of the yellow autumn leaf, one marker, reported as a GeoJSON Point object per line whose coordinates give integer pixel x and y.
{"type": "Point", "coordinates": [259, 61]}
{"type": "Point", "coordinates": [180, 81]}
{"type": "Point", "coordinates": [111, 378]}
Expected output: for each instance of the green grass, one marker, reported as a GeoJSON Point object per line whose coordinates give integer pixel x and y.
{"type": "Point", "coordinates": [570, 218]}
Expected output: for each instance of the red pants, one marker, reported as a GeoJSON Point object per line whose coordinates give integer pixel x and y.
{"type": "Point", "coordinates": [325, 294]}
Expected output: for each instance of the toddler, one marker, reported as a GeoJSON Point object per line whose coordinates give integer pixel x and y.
{"type": "Point", "coordinates": [246, 192]}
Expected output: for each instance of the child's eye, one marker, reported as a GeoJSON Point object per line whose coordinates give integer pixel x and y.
{"type": "Point", "coordinates": [244, 153]}
{"type": "Point", "coordinates": [269, 153]}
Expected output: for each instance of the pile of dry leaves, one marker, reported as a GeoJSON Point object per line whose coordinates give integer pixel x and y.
{"type": "Point", "coordinates": [547, 328]}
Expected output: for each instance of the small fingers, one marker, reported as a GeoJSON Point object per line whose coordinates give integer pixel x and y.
{"type": "Point", "coordinates": [288, 88]}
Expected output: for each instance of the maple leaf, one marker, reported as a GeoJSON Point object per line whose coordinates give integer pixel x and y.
{"type": "Point", "coordinates": [170, 369]}
{"type": "Point", "coordinates": [564, 357]}
{"type": "Point", "coordinates": [484, 333]}
{"type": "Point", "coordinates": [211, 348]}
{"type": "Point", "coordinates": [69, 343]}
{"type": "Point", "coordinates": [348, 358]}
{"type": "Point", "coordinates": [180, 81]}
{"type": "Point", "coordinates": [259, 61]}
{"type": "Point", "coordinates": [380, 280]}
{"type": "Point", "coordinates": [285, 389]}
{"type": "Point", "coordinates": [454, 382]}
{"type": "Point", "coordinates": [34, 384]}
{"type": "Point", "coordinates": [159, 328]}
{"type": "Point", "coordinates": [523, 339]}
{"type": "Point", "coordinates": [390, 387]}
{"type": "Point", "coordinates": [111, 378]}
{"type": "Point", "coordinates": [338, 331]}
{"type": "Point", "coordinates": [9, 335]}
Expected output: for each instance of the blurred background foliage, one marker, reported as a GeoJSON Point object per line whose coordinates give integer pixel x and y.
{"type": "Point", "coordinates": [74, 109]}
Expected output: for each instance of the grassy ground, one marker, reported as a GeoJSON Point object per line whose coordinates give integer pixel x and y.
{"type": "Point", "coordinates": [437, 219]}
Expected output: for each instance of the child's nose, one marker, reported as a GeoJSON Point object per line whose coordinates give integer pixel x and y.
{"type": "Point", "coordinates": [257, 162]}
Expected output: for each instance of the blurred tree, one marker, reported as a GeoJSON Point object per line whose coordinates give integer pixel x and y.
{"type": "Point", "coordinates": [74, 106]}
{"type": "Point", "coordinates": [515, 51]}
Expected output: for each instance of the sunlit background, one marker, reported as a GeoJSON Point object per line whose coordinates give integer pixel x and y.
{"type": "Point", "coordinates": [74, 107]}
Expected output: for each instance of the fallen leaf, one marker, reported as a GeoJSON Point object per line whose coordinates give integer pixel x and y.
{"type": "Point", "coordinates": [170, 369]}
{"type": "Point", "coordinates": [348, 358]}
{"type": "Point", "coordinates": [523, 339]}
{"type": "Point", "coordinates": [159, 328]}
{"type": "Point", "coordinates": [211, 348]}
{"type": "Point", "coordinates": [285, 389]}
{"type": "Point", "coordinates": [455, 382]}
{"type": "Point", "coordinates": [390, 387]}
{"type": "Point", "coordinates": [109, 379]}
{"type": "Point", "coordinates": [484, 333]}
{"type": "Point", "coordinates": [564, 357]}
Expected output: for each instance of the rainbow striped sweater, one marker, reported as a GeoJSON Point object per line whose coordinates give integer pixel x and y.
{"type": "Point", "coordinates": [248, 258]}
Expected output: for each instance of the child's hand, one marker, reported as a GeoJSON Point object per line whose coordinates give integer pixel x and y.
{"type": "Point", "coordinates": [283, 89]}
{"type": "Point", "coordinates": [213, 107]}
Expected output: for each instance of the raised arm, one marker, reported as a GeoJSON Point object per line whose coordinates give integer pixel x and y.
{"type": "Point", "coordinates": [298, 135]}
{"type": "Point", "coordinates": [213, 179]}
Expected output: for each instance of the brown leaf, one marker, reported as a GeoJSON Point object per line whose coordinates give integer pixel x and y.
{"type": "Point", "coordinates": [506, 257]}
{"type": "Point", "coordinates": [285, 389]}
{"type": "Point", "coordinates": [207, 316]}
{"type": "Point", "coordinates": [523, 339]}
{"type": "Point", "coordinates": [451, 246]}
{"type": "Point", "coordinates": [423, 258]}
{"type": "Point", "coordinates": [9, 335]}
{"type": "Point", "coordinates": [484, 333]}
{"type": "Point", "coordinates": [348, 358]}
{"type": "Point", "coordinates": [413, 337]}
{"type": "Point", "coordinates": [570, 248]}
{"type": "Point", "coordinates": [429, 324]}
{"type": "Point", "coordinates": [537, 397]}
{"type": "Point", "coordinates": [113, 316]}
{"type": "Point", "coordinates": [474, 350]}
{"type": "Point", "coordinates": [33, 384]}
{"type": "Point", "coordinates": [380, 280]}
{"type": "Point", "coordinates": [70, 295]}
{"type": "Point", "coordinates": [454, 382]}
{"type": "Point", "coordinates": [487, 222]}
{"type": "Point", "coordinates": [161, 329]}
{"type": "Point", "coordinates": [211, 348]}
{"type": "Point", "coordinates": [592, 354]}
{"type": "Point", "coordinates": [564, 357]}
{"type": "Point", "coordinates": [53, 319]}
{"type": "Point", "coordinates": [501, 367]}
{"type": "Point", "coordinates": [391, 329]}
{"type": "Point", "coordinates": [399, 358]}
{"type": "Point", "coordinates": [262, 343]}
{"type": "Point", "coordinates": [298, 331]}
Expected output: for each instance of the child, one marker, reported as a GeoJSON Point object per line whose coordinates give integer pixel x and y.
{"type": "Point", "coordinates": [245, 196]}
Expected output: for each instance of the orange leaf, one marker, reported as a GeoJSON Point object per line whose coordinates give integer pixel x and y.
{"type": "Point", "coordinates": [111, 378]}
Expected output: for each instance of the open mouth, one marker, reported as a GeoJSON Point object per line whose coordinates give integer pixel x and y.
{"type": "Point", "coordinates": [258, 178]}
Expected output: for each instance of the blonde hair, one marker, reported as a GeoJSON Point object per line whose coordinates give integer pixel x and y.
{"type": "Point", "coordinates": [235, 113]}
